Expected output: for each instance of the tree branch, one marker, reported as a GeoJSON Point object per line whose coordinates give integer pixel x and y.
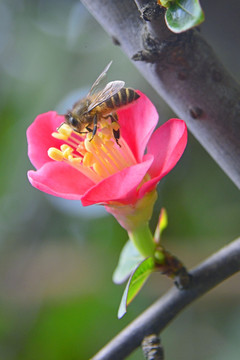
{"type": "Point", "coordinates": [206, 276]}
{"type": "Point", "coordinates": [184, 70]}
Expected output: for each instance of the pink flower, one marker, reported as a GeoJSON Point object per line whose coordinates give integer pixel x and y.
{"type": "Point", "coordinates": [100, 171]}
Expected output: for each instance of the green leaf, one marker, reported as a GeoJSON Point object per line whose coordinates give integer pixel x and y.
{"type": "Point", "coordinates": [135, 283]}
{"type": "Point", "coordinates": [182, 15]}
{"type": "Point", "coordinates": [128, 260]}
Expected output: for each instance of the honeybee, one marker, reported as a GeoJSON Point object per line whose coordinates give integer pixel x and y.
{"type": "Point", "coordinates": [100, 104]}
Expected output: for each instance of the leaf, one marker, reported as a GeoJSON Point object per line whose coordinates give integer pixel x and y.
{"type": "Point", "coordinates": [182, 15]}
{"type": "Point", "coordinates": [128, 260]}
{"type": "Point", "coordinates": [135, 283]}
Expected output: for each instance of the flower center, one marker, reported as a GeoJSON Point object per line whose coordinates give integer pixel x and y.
{"type": "Point", "coordinates": [98, 157]}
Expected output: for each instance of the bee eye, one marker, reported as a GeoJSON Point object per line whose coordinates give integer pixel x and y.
{"type": "Point", "coordinates": [72, 121]}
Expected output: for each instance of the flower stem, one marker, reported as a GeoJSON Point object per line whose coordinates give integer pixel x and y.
{"type": "Point", "coordinates": [143, 240]}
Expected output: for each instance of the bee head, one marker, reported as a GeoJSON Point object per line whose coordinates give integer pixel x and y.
{"type": "Point", "coordinates": [72, 121]}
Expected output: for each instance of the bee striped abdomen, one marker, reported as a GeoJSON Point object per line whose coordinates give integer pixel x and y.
{"type": "Point", "coordinates": [122, 98]}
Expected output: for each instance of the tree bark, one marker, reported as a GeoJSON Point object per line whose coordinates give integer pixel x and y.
{"type": "Point", "coordinates": [205, 277]}
{"type": "Point", "coordinates": [184, 70]}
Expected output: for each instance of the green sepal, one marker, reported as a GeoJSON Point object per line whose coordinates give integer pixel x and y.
{"type": "Point", "coordinates": [162, 224]}
{"type": "Point", "coordinates": [182, 15]}
{"type": "Point", "coordinates": [135, 283]}
{"type": "Point", "coordinates": [128, 260]}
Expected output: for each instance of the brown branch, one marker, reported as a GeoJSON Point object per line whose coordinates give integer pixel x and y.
{"type": "Point", "coordinates": [205, 277]}
{"type": "Point", "coordinates": [184, 70]}
{"type": "Point", "coordinates": [152, 348]}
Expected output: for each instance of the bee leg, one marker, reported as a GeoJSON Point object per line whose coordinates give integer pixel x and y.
{"type": "Point", "coordinates": [116, 133]}
{"type": "Point", "coordinates": [88, 129]}
{"type": "Point", "coordinates": [85, 132]}
{"type": "Point", "coordinates": [94, 130]}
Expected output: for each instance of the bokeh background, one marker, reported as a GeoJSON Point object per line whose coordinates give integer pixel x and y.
{"type": "Point", "coordinates": [57, 299]}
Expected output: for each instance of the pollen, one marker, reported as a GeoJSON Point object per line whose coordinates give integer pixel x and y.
{"type": "Point", "coordinates": [115, 126]}
{"type": "Point", "coordinates": [66, 150]}
{"type": "Point", "coordinates": [55, 154]}
{"type": "Point", "coordinates": [75, 160]}
{"type": "Point", "coordinates": [59, 136]}
{"type": "Point", "coordinates": [65, 129]}
{"type": "Point", "coordinates": [96, 157]}
{"type": "Point", "coordinates": [81, 149]}
{"type": "Point", "coordinates": [88, 159]}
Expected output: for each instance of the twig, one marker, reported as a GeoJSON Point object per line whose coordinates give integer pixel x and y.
{"type": "Point", "coordinates": [206, 276]}
{"type": "Point", "coordinates": [152, 348]}
{"type": "Point", "coordinates": [184, 70]}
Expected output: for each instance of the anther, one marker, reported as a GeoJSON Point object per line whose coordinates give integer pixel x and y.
{"type": "Point", "coordinates": [89, 145]}
{"type": "Point", "coordinates": [55, 154]}
{"type": "Point", "coordinates": [64, 147]}
{"type": "Point", "coordinates": [74, 160]}
{"type": "Point", "coordinates": [67, 152]}
{"type": "Point", "coordinates": [88, 159]}
{"type": "Point", "coordinates": [65, 130]}
{"type": "Point", "coordinates": [59, 136]}
{"type": "Point", "coordinates": [81, 149]}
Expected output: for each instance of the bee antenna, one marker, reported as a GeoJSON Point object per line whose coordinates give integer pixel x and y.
{"type": "Point", "coordinates": [68, 114]}
{"type": "Point", "coordinates": [61, 125]}
{"type": "Point", "coordinates": [108, 66]}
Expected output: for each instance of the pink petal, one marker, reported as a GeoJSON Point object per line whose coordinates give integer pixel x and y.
{"type": "Point", "coordinates": [121, 187]}
{"type": "Point", "coordinates": [60, 179]}
{"type": "Point", "coordinates": [39, 137]}
{"type": "Point", "coordinates": [167, 144]}
{"type": "Point", "coordinates": [137, 123]}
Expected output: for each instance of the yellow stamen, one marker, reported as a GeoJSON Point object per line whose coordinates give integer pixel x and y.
{"type": "Point", "coordinates": [64, 147]}
{"type": "Point", "coordinates": [81, 149]}
{"type": "Point", "coordinates": [55, 154]}
{"type": "Point", "coordinates": [109, 144]}
{"type": "Point", "coordinates": [94, 147]}
{"type": "Point", "coordinates": [96, 157]}
{"type": "Point", "coordinates": [89, 145]}
{"type": "Point", "coordinates": [88, 159]}
{"type": "Point", "coordinates": [74, 160]}
{"type": "Point", "coordinates": [104, 123]}
{"type": "Point", "coordinates": [105, 134]}
{"type": "Point", "coordinates": [67, 150]}
{"type": "Point", "coordinates": [100, 170]}
{"type": "Point", "coordinates": [59, 136]}
{"type": "Point", "coordinates": [64, 129]}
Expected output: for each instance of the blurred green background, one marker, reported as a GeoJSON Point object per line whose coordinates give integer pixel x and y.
{"type": "Point", "coordinates": [57, 300]}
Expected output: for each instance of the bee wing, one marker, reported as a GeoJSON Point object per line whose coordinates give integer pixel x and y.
{"type": "Point", "coordinates": [96, 85]}
{"type": "Point", "coordinates": [110, 89]}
